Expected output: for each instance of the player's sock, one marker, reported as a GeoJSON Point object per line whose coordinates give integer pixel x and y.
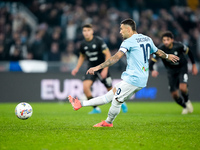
{"type": "Point", "coordinates": [89, 98]}
{"type": "Point", "coordinates": [180, 101]}
{"type": "Point", "coordinates": [185, 96]}
{"type": "Point", "coordinates": [113, 111]}
{"type": "Point", "coordinates": [99, 100]}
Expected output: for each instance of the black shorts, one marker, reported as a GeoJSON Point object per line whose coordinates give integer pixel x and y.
{"type": "Point", "coordinates": [107, 81]}
{"type": "Point", "coordinates": [176, 77]}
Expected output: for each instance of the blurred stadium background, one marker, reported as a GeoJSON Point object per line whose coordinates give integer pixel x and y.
{"type": "Point", "coordinates": [39, 42]}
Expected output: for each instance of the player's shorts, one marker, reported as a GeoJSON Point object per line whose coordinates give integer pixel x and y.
{"type": "Point", "coordinates": [125, 91]}
{"type": "Point", "coordinates": [107, 81]}
{"type": "Point", "coordinates": [177, 77]}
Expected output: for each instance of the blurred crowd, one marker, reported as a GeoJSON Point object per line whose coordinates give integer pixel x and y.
{"type": "Point", "coordinates": [58, 33]}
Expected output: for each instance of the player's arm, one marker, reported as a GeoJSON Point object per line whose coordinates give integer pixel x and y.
{"type": "Point", "coordinates": [112, 60]}
{"type": "Point", "coordinates": [169, 57]}
{"type": "Point", "coordinates": [107, 54]}
{"type": "Point", "coordinates": [194, 68]}
{"type": "Point", "coordinates": [79, 64]}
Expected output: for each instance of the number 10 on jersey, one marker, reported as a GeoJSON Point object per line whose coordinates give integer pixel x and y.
{"type": "Point", "coordinates": [146, 50]}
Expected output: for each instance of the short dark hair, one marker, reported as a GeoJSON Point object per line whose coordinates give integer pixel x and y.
{"type": "Point", "coordinates": [87, 26]}
{"type": "Point", "coordinates": [168, 34]}
{"type": "Point", "coordinates": [130, 22]}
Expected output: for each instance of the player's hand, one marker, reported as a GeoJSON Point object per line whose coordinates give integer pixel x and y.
{"type": "Point", "coordinates": [74, 71]}
{"type": "Point", "coordinates": [91, 71]}
{"type": "Point", "coordinates": [194, 69]}
{"type": "Point", "coordinates": [154, 73]}
{"type": "Point", "coordinates": [173, 58]}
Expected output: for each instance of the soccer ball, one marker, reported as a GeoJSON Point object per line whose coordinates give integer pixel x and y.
{"type": "Point", "coordinates": [23, 110]}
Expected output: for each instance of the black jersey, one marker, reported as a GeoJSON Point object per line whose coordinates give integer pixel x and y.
{"type": "Point", "coordinates": [179, 50]}
{"type": "Point", "coordinates": [93, 50]}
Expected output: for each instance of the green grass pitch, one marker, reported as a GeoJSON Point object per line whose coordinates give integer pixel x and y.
{"type": "Point", "coordinates": [56, 126]}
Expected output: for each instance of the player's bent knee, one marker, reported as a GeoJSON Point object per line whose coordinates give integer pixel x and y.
{"type": "Point", "coordinates": [183, 89]}
{"type": "Point", "coordinates": [116, 102]}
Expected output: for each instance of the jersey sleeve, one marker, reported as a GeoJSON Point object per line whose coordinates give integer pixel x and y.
{"type": "Point", "coordinates": [153, 47]}
{"type": "Point", "coordinates": [124, 47]}
{"type": "Point", "coordinates": [102, 44]}
{"type": "Point", "coordinates": [184, 48]}
{"type": "Point", "coordinates": [191, 56]}
{"type": "Point", "coordinates": [81, 50]}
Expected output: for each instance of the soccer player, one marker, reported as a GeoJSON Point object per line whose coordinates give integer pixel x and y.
{"type": "Point", "coordinates": [137, 48]}
{"type": "Point", "coordinates": [95, 50]}
{"type": "Point", "coordinates": [177, 72]}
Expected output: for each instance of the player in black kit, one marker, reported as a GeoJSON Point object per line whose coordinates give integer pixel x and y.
{"type": "Point", "coordinates": [177, 72]}
{"type": "Point", "coordinates": [95, 50]}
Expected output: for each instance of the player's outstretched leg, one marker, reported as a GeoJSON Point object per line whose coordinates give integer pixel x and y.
{"type": "Point", "coordinates": [124, 108]}
{"type": "Point", "coordinates": [76, 104]}
{"type": "Point", "coordinates": [101, 100]}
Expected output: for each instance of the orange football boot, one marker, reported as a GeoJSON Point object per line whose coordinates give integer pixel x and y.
{"type": "Point", "coordinates": [76, 104]}
{"type": "Point", "coordinates": [103, 124]}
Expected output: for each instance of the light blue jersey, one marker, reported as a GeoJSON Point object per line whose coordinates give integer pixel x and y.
{"type": "Point", "coordinates": [137, 49]}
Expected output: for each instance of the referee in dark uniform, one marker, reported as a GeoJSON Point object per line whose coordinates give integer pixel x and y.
{"type": "Point", "coordinates": [95, 50]}
{"type": "Point", "coordinates": [177, 72]}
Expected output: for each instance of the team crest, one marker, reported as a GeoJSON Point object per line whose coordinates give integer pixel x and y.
{"type": "Point", "coordinates": [94, 46]}
{"type": "Point", "coordinates": [86, 47]}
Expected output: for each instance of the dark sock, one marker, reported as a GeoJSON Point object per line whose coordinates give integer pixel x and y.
{"type": "Point", "coordinates": [180, 101]}
{"type": "Point", "coordinates": [185, 96]}
{"type": "Point", "coordinates": [91, 98]}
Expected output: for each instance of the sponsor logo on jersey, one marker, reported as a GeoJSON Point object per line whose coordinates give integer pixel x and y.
{"type": "Point", "coordinates": [89, 54]}
{"type": "Point", "coordinates": [145, 69]}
